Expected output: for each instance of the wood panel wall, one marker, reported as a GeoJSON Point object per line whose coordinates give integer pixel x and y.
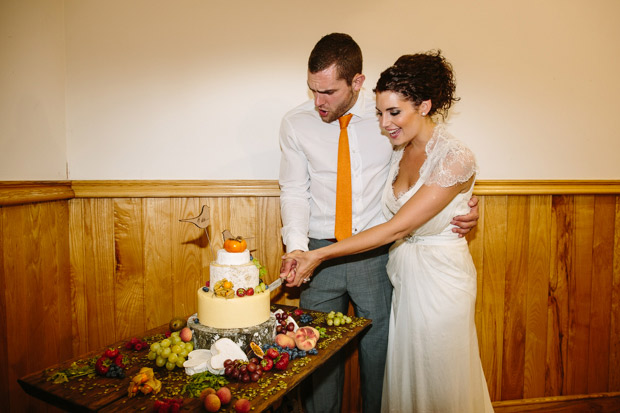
{"type": "Point", "coordinates": [107, 260]}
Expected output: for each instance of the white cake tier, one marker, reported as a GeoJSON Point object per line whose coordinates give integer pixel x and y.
{"type": "Point", "coordinates": [232, 258]}
{"type": "Point", "coordinates": [242, 276]}
{"type": "Point", "coordinates": [237, 312]}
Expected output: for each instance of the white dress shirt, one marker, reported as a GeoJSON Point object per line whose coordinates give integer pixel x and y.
{"type": "Point", "coordinates": [308, 169]}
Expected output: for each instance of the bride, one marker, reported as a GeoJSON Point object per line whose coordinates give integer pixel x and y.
{"type": "Point", "coordinates": [433, 362]}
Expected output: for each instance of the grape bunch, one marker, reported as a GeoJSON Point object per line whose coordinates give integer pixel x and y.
{"type": "Point", "coordinates": [282, 324]}
{"type": "Point", "coordinates": [239, 370]}
{"type": "Point", "coordinates": [170, 352]}
{"type": "Point", "coordinates": [337, 319]}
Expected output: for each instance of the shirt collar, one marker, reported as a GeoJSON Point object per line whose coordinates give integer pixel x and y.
{"type": "Point", "coordinates": [358, 107]}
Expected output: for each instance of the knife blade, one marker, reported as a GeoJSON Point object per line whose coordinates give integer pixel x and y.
{"type": "Point", "coordinates": [275, 284]}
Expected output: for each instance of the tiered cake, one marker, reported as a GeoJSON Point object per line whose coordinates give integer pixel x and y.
{"type": "Point", "coordinates": [226, 310]}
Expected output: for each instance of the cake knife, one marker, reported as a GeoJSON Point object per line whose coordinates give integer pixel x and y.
{"type": "Point", "coordinates": [275, 284]}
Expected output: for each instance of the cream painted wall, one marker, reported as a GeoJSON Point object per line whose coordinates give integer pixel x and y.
{"type": "Point", "coordinates": [32, 90]}
{"type": "Point", "coordinates": [195, 89]}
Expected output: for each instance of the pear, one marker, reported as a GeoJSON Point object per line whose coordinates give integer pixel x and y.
{"type": "Point", "coordinates": [177, 324]}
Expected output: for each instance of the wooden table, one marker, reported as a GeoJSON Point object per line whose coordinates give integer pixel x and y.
{"type": "Point", "coordinates": [100, 394]}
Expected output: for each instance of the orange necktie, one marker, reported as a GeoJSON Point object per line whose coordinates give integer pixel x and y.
{"type": "Point", "coordinates": [342, 229]}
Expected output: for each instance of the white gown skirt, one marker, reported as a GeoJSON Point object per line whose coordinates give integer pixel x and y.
{"type": "Point", "coordinates": [433, 362]}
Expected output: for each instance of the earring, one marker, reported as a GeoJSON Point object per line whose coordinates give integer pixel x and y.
{"type": "Point", "coordinates": [423, 113]}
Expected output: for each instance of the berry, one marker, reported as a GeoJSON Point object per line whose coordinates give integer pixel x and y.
{"type": "Point", "coordinates": [272, 353]}
{"type": "Point", "coordinates": [250, 291]}
{"type": "Point", "coordinates": [118, 361]}
{"type": "Point", "coordinates": [111, 353]}
{"type": "Point", "coordinates": [241, 292]}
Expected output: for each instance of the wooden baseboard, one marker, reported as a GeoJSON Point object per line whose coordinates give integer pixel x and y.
{"type": "Point", "coordinates": [599, 402]}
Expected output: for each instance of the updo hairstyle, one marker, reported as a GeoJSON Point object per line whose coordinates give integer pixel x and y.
{"type": "Point", "coordinates": [419, 77]}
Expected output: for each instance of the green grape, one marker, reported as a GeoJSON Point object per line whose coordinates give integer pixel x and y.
{"type": "Point", "coordinates": [176, 349]}
{"type": "Point", "coordinates": [336, 322]}
{"type": "Point", "coordinates": [165, 343]}
{"type": "Point", "coordinates": [183, 353]}
{"type": "Point", "coordinates": [189, 346]}
{"type": "Point", "coordinates": [339, 314]}
{"type": "Point", "coordinates": [175, 340]}
{"type": "Point", "coordinates": [155, 347]}
{"type": "Point", "coordinates": [348, 319]}
{"type": "Point", "coordinates": [166, 352]}
{"type": "Point", "coordinates": [152, 355]}
{"type": "Point", "coordinates": [330, 315]}
{"type": "Point", "coordinates": [173, 358]}
{"type": "Point", "coordinates": [181, 345]}
{"type": "Point", "coordinates": [160, 361]}
{"type": "Point", "coordinates": [180, 362]}
{"type": "Point", "coordinates": [170, 366]}
{"type": "Point", "coordinates": [175, 334]}
{"type": "Point", "coordinates": [159, 350]}
{"type": "Point", "coordinates": [330, 321]}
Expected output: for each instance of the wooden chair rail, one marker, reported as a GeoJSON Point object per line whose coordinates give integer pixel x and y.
{"type": "Point", "coordinates": [23, 192]}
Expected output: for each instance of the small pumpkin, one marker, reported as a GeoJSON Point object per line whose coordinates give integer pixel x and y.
{"type": "Point", "coordinates": [235, 244]}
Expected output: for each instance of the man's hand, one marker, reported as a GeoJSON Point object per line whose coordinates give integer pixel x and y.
{"type": "Point", "coordinates": [287, 270]}
{"type": "Point", "coordinates": [466, 222]}
{"type": "Point", "coordinates": [305, 263]}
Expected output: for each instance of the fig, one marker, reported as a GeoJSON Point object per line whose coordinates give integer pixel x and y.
{"type": "Point", "coordinates": [177, 324]}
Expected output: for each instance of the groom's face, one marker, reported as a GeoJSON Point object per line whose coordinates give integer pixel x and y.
{"type": "Point", "coordinates": [333, 97]}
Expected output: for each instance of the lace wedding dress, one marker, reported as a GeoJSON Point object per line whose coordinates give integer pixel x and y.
{"type": "Point", "coordinates": [433, 363]}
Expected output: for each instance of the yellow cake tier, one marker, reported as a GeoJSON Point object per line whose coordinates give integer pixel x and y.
{"type": "Point", "coordinates": [237, 312]}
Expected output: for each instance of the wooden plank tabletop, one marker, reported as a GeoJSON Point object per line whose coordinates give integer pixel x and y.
{"type": "Point", "coordinates": [100, 394]}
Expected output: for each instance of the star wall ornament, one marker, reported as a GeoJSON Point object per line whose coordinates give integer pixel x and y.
{"type": "Point", "coordinates": [202, 221]}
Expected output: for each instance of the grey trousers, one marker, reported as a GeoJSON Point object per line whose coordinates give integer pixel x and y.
{"type": "Point", "coordinates": [361, 278]}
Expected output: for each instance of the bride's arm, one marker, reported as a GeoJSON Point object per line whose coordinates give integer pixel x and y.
{"type": "Point", "coordinates": [427, 202]}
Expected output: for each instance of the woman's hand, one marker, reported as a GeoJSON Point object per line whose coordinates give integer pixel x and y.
{"type": "Point", "coordinates": [305, 264]}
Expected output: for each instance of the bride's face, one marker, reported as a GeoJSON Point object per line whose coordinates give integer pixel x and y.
{"type": "Point", "coordinates": [399, 118]}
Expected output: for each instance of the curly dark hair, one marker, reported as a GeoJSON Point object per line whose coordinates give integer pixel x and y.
{"type": "Point", "coordinates": [419, 77]}
{"type": "Point", "coordinates": [338, 48]}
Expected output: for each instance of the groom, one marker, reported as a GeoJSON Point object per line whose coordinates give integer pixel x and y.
{"type": "Point", "coordinates": [309, 139]}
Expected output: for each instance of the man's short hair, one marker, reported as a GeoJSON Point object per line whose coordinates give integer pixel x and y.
{"type": "Point", "coordinates": [339, 49]}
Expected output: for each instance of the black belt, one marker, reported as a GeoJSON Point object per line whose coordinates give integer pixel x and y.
{"type": "Point", "coordinates": [331, 239]}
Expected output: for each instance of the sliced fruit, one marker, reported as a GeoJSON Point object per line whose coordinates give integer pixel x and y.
{"type": "Point", "coordinates": [257, 350]}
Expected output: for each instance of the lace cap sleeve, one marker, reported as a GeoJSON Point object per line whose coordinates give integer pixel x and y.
{"type": "Point", "coordinates": [448, 161]}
